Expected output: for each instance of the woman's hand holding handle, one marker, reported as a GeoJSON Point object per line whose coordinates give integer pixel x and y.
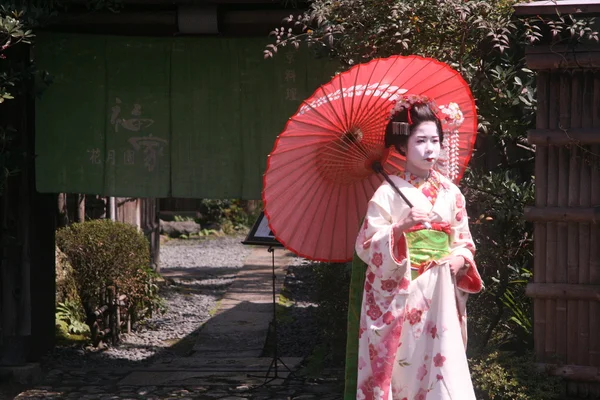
{"type": "Point", "coordinates": [414, 217]}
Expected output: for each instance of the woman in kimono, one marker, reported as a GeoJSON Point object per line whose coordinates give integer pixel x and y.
{"type": "Point", "coordinates": [418, 269]}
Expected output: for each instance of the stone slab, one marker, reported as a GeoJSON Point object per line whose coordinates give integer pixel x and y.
{"type": "Point", "coordinates": [209, 372]}
{"type": "Point", "coordinates": [186, 378]}
{"type": "Point", "coordinates": [231, 343]}
{"type": "Point", "coordinates": [22, 374]}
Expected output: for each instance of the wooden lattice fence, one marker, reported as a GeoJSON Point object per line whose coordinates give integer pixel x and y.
{"type": "Point", "coordinates": [566, 287]}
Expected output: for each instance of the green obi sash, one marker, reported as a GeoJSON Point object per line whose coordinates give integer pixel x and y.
{"type": "Point", "coordinates": [424, 246]}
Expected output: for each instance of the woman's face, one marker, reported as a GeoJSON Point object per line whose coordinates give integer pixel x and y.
{"type": "Point", "coordinates": [423, 148]}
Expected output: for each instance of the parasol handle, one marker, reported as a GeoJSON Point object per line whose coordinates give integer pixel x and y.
{"type": "Point", "coordinates": [377, 167]}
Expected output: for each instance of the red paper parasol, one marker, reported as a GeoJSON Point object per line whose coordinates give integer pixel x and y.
{"type": "Point", "coordinates": [320, 176]}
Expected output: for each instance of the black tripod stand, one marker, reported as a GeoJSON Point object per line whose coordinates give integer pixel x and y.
{"type": "Point", "coordinates": [273, 371]}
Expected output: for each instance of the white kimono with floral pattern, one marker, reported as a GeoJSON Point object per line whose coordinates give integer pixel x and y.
{"type": "Point", "coordinates": [412, 335]}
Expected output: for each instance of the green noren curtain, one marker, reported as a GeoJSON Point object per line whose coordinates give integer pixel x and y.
{"type": "Point", "coordinates": [158, 117]}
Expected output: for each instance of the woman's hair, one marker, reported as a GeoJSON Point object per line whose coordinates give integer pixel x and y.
{"type": "Point", "coordinates": [419, 112]}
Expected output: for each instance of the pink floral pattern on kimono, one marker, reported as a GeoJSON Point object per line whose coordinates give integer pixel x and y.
{"type": "Point", "coordinates": [411, 343]}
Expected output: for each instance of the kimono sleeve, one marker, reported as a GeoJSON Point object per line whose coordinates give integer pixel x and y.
{"type": "Point", "coordinates": [377, 243]}
{"type": "Point", "coordinates": [461, 244]}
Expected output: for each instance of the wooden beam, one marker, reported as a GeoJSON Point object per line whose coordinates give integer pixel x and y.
{"type": "Point", "coordinates": [560, 137]}
{"type": "Point", "coordinates": [563, 291]}
{"type": "Point", "coordinates": [553, 7]}
{"type": "Point", "coordinates": [121, 18]}
{"type": "Point", "coordinates": [563, 214]}
{"type": "Point", "coordinates": [251, 17]}
{"type": "Point", "coordinates": [559, 57]}
{"type": "Point", "coordinates": [581, 373]}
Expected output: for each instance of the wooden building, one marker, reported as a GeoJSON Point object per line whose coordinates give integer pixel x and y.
{"type": "Point", "coordinates": [566, 287]}
{"type": "Point", "coordinates": [30, 200]}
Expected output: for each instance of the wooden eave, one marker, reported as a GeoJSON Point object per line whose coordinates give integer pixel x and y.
{"type": "Point", "coordinates": [160, 17]}
{"type": "Point", "coordinates": [561, 56]}
{"type": "Point", "coordinates": [174, 3]}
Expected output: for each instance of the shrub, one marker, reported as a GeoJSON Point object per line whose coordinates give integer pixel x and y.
{"type": "Point", "coordinates": [66, 287]}
{"type": "Point", "coordinates": [105, 253]}
{"type": "Point", "coordinates": [230, 215]}
{"type": "Point", "coordinates": [504, 376]}
{"type": "Point", "coordinates": [501, 315]}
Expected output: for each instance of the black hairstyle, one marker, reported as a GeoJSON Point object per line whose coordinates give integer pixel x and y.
{"type": "Point", "coordinates": [419, 112]}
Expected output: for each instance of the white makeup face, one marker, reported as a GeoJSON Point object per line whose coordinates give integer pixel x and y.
{"type": "Point", "coordinates": [423, 148]}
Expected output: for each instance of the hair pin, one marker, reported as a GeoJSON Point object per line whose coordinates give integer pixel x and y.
{"type": "Point", "coordinates": [401, 128]}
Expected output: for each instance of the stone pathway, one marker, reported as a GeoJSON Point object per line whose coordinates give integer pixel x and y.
{"type": "Point", "coordinates": [224, 363]}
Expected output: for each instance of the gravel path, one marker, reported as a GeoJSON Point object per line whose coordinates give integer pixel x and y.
{"type": "Point", "coordinates": [197, 274]}
{"type": "Point", "coordinates": [218, 252]}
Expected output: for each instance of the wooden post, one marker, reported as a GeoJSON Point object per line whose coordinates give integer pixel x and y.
{"type": "Point", "coordinates": [63, 215]}
{"type": "Point", "coordinates": [572, 170]}
{"type": "Point", "coordinates": [105, 315]}
{"type": "Point", "coordinates": [562, 239]}
{"type": "Point", "coordinates": [113, 310]}
{"type": "Point", "coordinates": [16, 220]}
{"type": "Point", "coordinates": [541, 182]}
{"type": "Point", "coordinates": [120, 303]}
{"type": "Point", "coordinates": [128, 316]}
{"type": "Point", "coordinates": [150, 225]}
{"type": "Point", "coordinates": [551, 228]}
{"type": "Point", "coordinates": [42, 228]}
{"type": "Point", "coordinates": [43, 273]}
{"type": "Point", "coordinates": [81, 208]}
{"type": "Point", "coordinates": [594, 263]}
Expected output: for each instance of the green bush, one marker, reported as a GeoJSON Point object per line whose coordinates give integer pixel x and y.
{"type": "Point", "coordinates": [231, 215]}
{"type": "Point", "coordinates": [105, 253]}
{"type": "Point", "coordinates": [504, 376]}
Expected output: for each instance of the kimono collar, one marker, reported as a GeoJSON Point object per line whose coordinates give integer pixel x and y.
{"type": "Point", "coordinates": [417, 181]}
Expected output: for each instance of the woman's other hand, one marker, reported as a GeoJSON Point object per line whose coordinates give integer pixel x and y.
{"type": "Point", "coordinates": [456, 263]}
